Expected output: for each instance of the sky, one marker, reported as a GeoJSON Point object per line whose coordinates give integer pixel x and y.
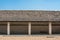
{"type": "Point", "coordinates": [29, 4]}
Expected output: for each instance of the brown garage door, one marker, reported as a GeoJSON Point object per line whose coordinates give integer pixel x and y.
{"type": "Point", "coordinates": [19, 29]}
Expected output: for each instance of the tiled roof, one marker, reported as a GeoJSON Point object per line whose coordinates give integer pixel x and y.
{"type": "Point", "coordinates": [29, 15]}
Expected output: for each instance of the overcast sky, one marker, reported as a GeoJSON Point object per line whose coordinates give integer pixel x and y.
{"type": "Point", "coordinates": [29, 4]}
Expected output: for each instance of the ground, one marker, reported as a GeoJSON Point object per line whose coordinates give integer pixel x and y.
{"type": "Point", "coordinates": [30, 37]}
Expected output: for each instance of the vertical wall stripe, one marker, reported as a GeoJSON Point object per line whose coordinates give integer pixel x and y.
{"type": "Point", "coordinates": [29, 28]}
{"type": "Point", "coordinates": [8, 28]}
{"type": "Point", "coordinates": [50, 28]}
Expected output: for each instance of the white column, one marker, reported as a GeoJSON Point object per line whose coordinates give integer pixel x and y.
{"type": "Point", "coordinates": [29, 28]}
{"type": "Point", "coordinates": [50, 28]}
{"type": "Point", "coordinates": [8, 28]}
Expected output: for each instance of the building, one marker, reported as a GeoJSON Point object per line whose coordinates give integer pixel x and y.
{"type": "Point", "coordinates": [29, 22]}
